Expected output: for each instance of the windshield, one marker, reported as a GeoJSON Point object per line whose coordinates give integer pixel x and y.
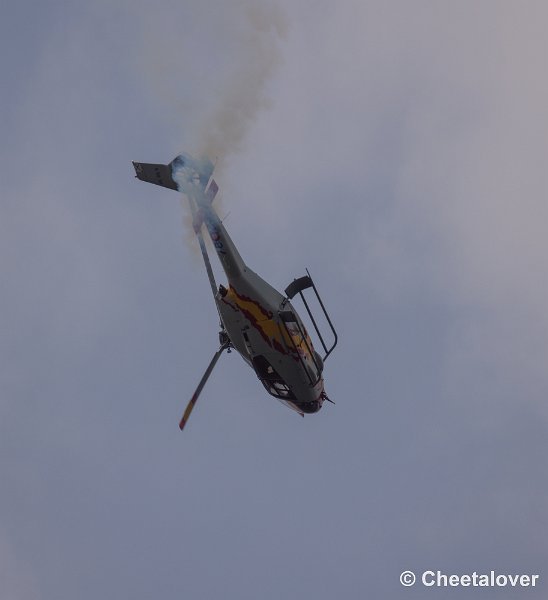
{"type": "Point", "coordinates": [278, 388]}
{"type": "Point", "coordinates": [271, 380]}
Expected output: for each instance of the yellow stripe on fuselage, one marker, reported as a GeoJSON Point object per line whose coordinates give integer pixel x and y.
{"type": "Point", "coordinates": [277, 337]}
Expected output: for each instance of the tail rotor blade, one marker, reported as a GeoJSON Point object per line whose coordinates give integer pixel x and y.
{"type": "Point", "coordinates": [205, 377]}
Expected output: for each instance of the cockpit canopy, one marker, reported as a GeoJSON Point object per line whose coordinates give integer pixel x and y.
{"type": "Point", "coordinates": [271, 380]}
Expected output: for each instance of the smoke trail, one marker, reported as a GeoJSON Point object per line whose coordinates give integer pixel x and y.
{"type": "Point", "coordinates": [208, 66]}
{"type": "Point", "coordinates": [217, 128]}
{"type": "Point", "coordinates": [208, 69]}
{"type": "Point", "coordinates": [244, 95]}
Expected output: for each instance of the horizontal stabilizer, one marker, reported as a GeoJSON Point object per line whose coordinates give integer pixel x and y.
{"type": "Point", "coordinates": [193, 177]}
{"type": "Point", "coordinates": [158, 174]}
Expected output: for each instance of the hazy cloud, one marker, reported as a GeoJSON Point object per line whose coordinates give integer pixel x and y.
{"type": "Point", "coordinates": [402, 158]}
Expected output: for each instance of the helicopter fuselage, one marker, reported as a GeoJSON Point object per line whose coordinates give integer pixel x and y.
{"type": "Point", "coordinates": [264, 327]}
{"type": "Point", "coordinates": [257, 320]}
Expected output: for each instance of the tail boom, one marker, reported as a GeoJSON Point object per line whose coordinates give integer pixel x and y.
{"type": "Point", "coordinates": [194, 178]}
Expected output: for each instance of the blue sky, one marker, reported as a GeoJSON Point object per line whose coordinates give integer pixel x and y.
{"type": "Point", "coordinates": [397, 150]}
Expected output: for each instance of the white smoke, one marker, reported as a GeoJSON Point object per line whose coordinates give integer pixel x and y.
{"type": "Point", "coordinates": [208, 69]}
{"type": "Point", "coordinates": [244, 93]}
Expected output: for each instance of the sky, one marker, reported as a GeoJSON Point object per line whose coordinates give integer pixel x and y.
{"type": "Point", "coordinates": [397, 150]}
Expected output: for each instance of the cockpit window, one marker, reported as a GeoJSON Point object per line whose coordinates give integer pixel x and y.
{"type": "Point", "coordinates": [271, 380]}
{"type": "Point", "coordinates": [280, 389]}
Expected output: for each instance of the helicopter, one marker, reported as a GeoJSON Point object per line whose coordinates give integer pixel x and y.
{"type": "Point", "coordinates": [256, 320]}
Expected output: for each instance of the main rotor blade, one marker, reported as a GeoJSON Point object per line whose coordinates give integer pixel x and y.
{"type": "Point", "coordinates": [205, 377]}
{"type": "Point", "coordinates": [203, 248]}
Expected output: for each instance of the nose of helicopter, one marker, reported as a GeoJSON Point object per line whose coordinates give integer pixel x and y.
{"type": "Point", "coordinates": [313, 406]}
{"type": "Point", "coordinates": [310, 407]}
{"type": "Point", "coordinates": [308, 400]}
